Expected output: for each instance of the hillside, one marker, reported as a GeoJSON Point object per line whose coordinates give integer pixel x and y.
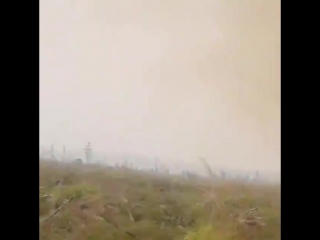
{"type": "Point", "coordinates": [82, 202]}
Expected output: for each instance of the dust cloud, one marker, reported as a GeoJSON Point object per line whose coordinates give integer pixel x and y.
{"type": "Point", "coordinates": [173, 79]}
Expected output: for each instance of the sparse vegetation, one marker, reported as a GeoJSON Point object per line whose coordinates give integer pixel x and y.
{"type": "Point", "coordinates": [88, 202]}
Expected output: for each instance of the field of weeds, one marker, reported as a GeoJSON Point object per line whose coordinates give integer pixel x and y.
{"type": "Point", "coordinates": [83, 202]}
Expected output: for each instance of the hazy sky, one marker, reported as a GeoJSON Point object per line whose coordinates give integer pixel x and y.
{"type": "Point", "coordinates": [178, 79]}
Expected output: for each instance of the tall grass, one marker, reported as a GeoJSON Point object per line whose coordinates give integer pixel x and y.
{"type": "Point", "coordinates": [83, 202]}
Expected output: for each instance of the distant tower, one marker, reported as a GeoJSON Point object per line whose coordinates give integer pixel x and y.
{"type": "Point", "coordinates": [64, 153]}
{"type": "Point", "coordinates": [52, 152]}
{"type": "Point", "coordinates": [88, 152]}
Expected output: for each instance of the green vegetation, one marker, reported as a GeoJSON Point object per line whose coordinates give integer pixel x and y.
{"type": "Point", "coordinates": [94, 203]}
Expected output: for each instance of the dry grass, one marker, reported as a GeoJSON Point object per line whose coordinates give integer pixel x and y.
{"type": "Point", "coordinates": [92, 203]}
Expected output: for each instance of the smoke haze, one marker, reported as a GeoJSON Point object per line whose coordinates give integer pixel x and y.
{"type": "Point", "coordinates": [174, 79]}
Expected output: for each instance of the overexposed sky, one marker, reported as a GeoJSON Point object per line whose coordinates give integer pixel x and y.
{"type": "Point", "coordinates": [178, 79]}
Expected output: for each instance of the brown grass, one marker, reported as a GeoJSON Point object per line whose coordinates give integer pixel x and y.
{"type": "Point", "coordinates": [92, 203]}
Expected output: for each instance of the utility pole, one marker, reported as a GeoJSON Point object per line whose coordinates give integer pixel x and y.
{"type": "Point", "coordinates": [64, 153]}
{"type": "Point", "coordinates": [88, 152]}
{"type": "Point", "coordinates": [52, 152]}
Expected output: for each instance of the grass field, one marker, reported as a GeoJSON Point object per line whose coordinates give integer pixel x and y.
{"type": "Point", "coordinates": [83, 202]}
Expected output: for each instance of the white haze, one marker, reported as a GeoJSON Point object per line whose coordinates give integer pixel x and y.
{"type": "Point", "coordinates": [175, 79]}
